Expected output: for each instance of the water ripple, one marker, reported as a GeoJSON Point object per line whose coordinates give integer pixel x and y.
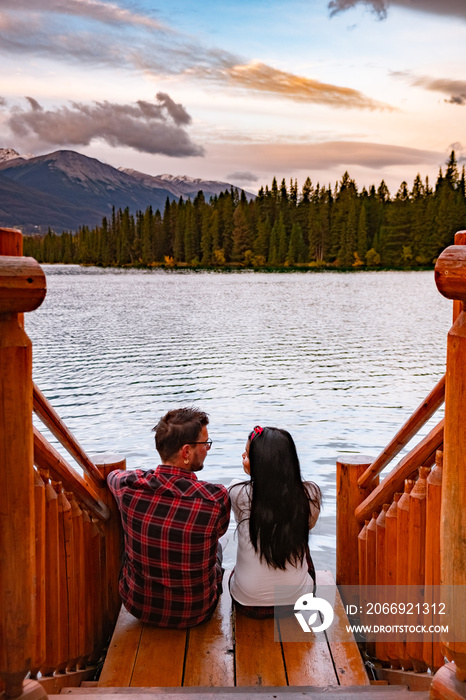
{"type": "Point", "coordinates": [341, 360]}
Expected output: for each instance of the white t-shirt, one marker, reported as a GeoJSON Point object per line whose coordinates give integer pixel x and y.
{"type": "Point", "coordinates": [253, 581]}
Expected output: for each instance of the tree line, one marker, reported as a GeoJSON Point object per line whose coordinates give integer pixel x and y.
{"type": "Point", "coordinates": [281, 227]}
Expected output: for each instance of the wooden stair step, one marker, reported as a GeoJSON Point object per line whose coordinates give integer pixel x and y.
{"type": "Point", "coordinates": [232, 650]}
{"type": "Point", "coordinates": [210, 647]}
{"type": "Point", "coordinates": [346, 656]}
{"type": "Point", "coordinates": [385, 692]}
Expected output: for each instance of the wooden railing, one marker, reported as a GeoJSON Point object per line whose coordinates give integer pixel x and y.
{"type": "Point", "coordinates": [399, 559]}
{"type": "Point", "coordinates": [414, 521]}
{"type": "Point", "coordinates": [60, 532]}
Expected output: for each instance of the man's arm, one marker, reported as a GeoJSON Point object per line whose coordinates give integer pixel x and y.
{"type": "Point", "coordinates": [113, 481]}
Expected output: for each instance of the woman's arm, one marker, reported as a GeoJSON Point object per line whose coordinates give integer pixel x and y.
{"type": "Point", "coordinates": [238, 496]}
{"type": "Point", "coordinates": [315, 499]}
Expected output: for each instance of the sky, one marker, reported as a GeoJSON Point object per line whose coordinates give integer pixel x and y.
{"type": "Point", "coordinates": [239, 90]}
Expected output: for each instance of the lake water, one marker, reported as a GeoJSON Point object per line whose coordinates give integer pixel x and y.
{"type": "Point", "coordinates": [338, 359]}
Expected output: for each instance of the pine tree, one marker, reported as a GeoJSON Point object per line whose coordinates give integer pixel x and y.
{"type": "Point", "coordinates": [190, 234]}
{"type": "Point", "coordinates": [242, 239]}
{"type": "Point", "coordinates": [282, 240]}
{"type": "Point", "coordinates": [362, 234]}
{"type": "Point", "coordinates": [397, 233]}
{"type": "Point", "coordinates": [296, 246]}
{"type": "Point", "coordinates": [273, 258]}
{"type": "Point", "coordinates": [209, 223]}
{"type": "Point", "coordinates": [451, 174]}
{"type": "Point", "coordinates": [178, 243]}
{"type": "Point", "coordinates": [262, 239]}
{"type": "Point", "coordinates": [147, 236]}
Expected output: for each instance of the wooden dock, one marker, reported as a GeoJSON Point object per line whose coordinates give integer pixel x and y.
{"type": "Point", "coordinates": [61, 536]}
{"type": "Point", "coordinates": [229, 650]}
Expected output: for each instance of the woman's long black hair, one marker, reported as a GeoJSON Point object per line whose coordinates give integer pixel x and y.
{"type": "Point", "coordinates": [280, 504]}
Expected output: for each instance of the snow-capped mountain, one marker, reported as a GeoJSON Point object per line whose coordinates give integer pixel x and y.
{"type": "Point", "coordinates": [11, 154]}
{"type": "Point", "coordinates": [183, 185]}
{"type": "Point", "coordinates": [65, 190]}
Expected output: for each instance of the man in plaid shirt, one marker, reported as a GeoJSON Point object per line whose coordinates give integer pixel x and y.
{"type": "Point", "coordinates": [172, 573]}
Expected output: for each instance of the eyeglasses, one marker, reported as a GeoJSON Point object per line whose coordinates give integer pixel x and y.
{"type": "Point", "coordinates": [207, 443]}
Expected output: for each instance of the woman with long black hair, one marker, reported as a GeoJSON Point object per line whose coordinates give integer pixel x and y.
{"type": "Point", "coordinates": [274, 511]}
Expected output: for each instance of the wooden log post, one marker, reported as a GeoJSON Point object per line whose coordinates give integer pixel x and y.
{"type": "Point", "coordinates": [107, 463]}
{"type": "Point", "coordinates": [391, 551]}
{"type": "Point", "coordinates": [450, 277]}
{"type": "Point", "coordinates": [39, 593]}
{"type": "Point", "coordinates": [416, 562]}
{"type": "Point", "coordinates": [362, 539]}
{"type": "Point", "coordinates": [77, 609]}
{"type": "Point", "coordinates": [11, 243]}
{"type": "Point", "coordinates": [381, 648]}
{"type": "Point", "coordinates": [434, 656]}
{"type": "Point", "coordinates": [98, 587]}
{"type": "Point", "coordinates": [349, 496]}
{"type": "Point", "coordinates": [371, 551]}
{"type": "Point", "coordinates": [460, 239]}
{"type": "Point", "coordinates": [22, 288]}
{"type": "Point", "coordinates": [53, 611]}
{"type": "Point", "coordinates": [362, 551]}
{"type": "Point", "coordinates": [91, 569]}
{"type": "Point", "coordinates": [371, 569]}
{"type": "Point", "coordinates": [402, 529]}
{"type": "Point", "coordinates": [64, 535]}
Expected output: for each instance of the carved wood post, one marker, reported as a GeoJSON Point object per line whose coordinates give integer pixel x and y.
{"type": "Point", "coordinates": [22, 288]}
{"type": "Point", "coordinates": [434, 657]}
{"type": "Point", "coordinates": [450, 277]}
{"type": "Point", "coordinates": [416, 560]}
{"type": "Point", "coordinates": [107, 463]}
{"type": "Point", "coordinates": [349, 496]}
{"type": "Point", "coordinates": [460, 239]}
{"type": "Point", "coordinates": [391, 551]}
{"type": "Point", "coordinates": [402, 527]}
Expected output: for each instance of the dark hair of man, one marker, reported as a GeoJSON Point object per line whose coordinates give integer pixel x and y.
{"type": "Point", "coordinates": [178, 427]}
{"type": "Point", "coordinates": [280, 503]}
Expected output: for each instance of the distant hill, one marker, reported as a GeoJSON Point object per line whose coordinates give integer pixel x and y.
{"type": "Point", "coordinates": [65, 190]}
{"type": "Point", "coordinates": [182, 185]}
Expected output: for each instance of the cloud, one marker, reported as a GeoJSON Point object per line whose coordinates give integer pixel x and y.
{"type": "Point", "coordinates": [244, 176]}
{"type": "Point", "coordinates": [176, 111]}
{"type": "Point", "coordinates": [136, 45]}
{"type": "Point", "coordinates": [106, 12]}
{"type": "Point", "coordinates": [144, 126]}
{"type": "Point", "coordinates": [258, 77]}
{"type": "Point", "coordinates": [324, 156]}
{"type": "Point", "coordinates": [120, 45]}
{"type": "Point", "coordinates": [454, 89]}
{"type": "Point", "coordinates": [378, 6]}
{"type": "Point", "coordinates": [450, 8]}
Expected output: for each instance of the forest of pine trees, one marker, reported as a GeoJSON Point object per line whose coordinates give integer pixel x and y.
{"type": "Point", "coordinates": [282, 227]}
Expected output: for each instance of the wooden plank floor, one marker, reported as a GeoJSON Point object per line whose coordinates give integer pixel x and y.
{"type": "Point", "coordinates": [230, 650]}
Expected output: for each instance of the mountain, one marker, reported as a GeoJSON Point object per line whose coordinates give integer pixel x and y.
{"type": "Point", "coordinates": [64, 190]}
{"type": "Point", "coordinates": [33, 211]}
{"type": "Point", "coordinates": [72, 190]}
{"type": "Point", "coordinates": [10, 154]}
{"type": "Point", "coordinates": [182, 185]}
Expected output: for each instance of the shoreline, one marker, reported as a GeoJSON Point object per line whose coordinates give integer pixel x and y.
{"type": "Point", "coordinates": [232, 268]}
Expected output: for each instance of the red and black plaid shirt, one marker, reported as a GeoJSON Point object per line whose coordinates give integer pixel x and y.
{"type": "Point", "coordinates": [172, 523]}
